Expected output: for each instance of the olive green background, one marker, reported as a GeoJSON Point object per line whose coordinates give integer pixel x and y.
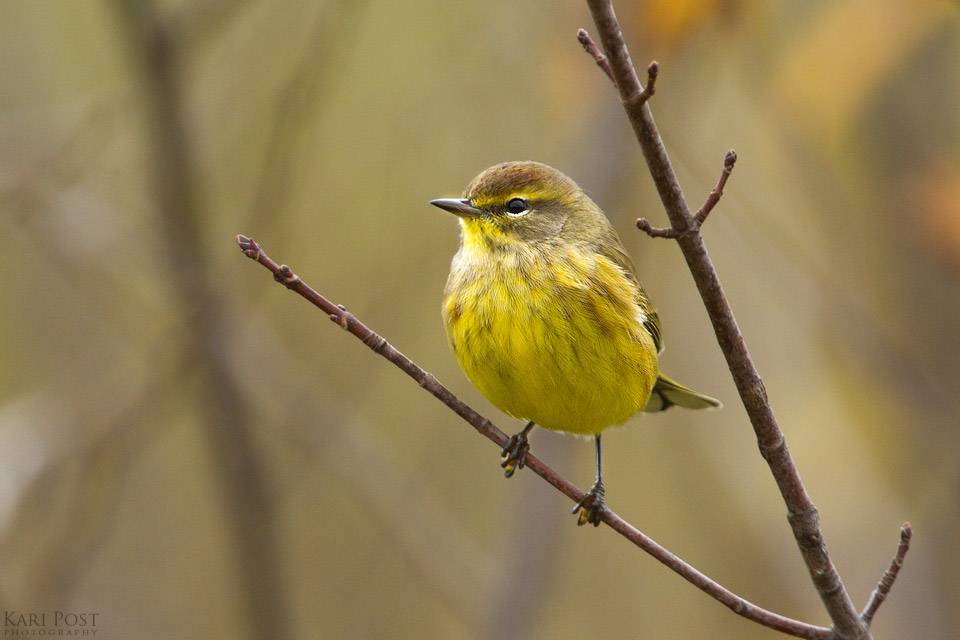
{"type": "Point", "coordinates": [193, 452]}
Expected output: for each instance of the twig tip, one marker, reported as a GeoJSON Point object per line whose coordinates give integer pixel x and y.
{"type": "Point", "coordinates": [248, 246]}
{"type": "Point", "coordinates": [730, 159]}
{"type": "Point", "coordinates": [591, 47]}
{"type": "Point", "coordinates": [889, 577]}
{"type": "Point", "coordinates": [656, 232]}
{"type": "Point", "coordinates": [906, 532]}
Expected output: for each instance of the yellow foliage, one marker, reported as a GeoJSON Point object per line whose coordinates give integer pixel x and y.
{"type": "Point", "coordinates": [675, 19]}
{"type": "Point", "coordinates": [849, 50]}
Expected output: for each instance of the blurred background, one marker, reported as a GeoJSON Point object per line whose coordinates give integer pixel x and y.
{"type": "Point", "coordinates": [192, 452]}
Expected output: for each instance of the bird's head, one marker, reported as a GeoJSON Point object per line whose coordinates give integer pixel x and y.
{"type": "Point", "coordinates": [518, 202]}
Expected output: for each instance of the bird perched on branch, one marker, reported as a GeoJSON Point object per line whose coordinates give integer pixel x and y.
{"type": "Point", "coordinates": [546, 317]}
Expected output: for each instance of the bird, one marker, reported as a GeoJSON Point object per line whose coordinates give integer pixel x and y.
{"type": "Point", "coordinates": [545, 314]}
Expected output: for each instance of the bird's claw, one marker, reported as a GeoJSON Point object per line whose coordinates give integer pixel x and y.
{"type": "Point", "coordinates": [591, 507]}
{"type": "Point", "coordinates": [513, 456]}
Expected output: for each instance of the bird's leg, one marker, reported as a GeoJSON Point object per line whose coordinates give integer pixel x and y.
{"type": "Point", "coordinates": [514, 454]}
{"type": "Point", "coordinates": [591, 508]}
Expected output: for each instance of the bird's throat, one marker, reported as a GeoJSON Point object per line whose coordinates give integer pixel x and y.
{"type": "Point", "coordinates": [479, 235]}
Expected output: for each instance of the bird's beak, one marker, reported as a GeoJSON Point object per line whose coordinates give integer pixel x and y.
{"type": "Point", "coordinates": [460, 208]}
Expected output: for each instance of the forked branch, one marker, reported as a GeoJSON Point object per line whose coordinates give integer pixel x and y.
{"type": "Point", "coordinates": [637, 97]}
{"type": "Point", "coordinates": [701, 216]}
{"type": "Point", "coordinates": [347, 321]}
{"type": "Point", "coordinates": [685, 229]}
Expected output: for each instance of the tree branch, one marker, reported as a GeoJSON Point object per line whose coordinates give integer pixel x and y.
{"type": "Point", "coordinates": [669, 232]}
{"type": "Point", "coordinates": [657, 232]}
{"type": "Point", "coordinates": [347, 321]}
{"type": "Point", "coordinates": [238, 465]}
{"type": "Point", "coordinates": [728, 161]}
{"type": "Point", "coordinates": [591, 47]}
{"type": "Point", "coordinates": [801, 512]}
{"type": "Point", "coordinates": [889, 576]}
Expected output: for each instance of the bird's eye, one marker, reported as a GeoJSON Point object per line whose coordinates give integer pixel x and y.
{"type": "Point", "coordinates": [516, 206]}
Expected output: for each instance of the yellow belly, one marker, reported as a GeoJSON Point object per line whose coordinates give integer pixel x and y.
{"type": "Point", "coordinates": [558, 341]}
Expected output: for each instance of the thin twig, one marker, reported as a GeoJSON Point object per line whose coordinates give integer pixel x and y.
{"type": "Point", "coordinates": [801, 512]}
{"type": "Point", "coordinates": [889, 576]}
{"type": "Point", "coordinates": [591, 47]}
{"type": "Point", "coordinates": [656, 232]}
{"type": "Point", "coordinates": [728, 161]}
{"type": "Point", "coordinates": [653, 70]}
{"type": "Point", "coordinates": [347, 321]}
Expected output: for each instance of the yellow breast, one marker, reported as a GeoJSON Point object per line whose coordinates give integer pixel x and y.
{"type": "Point", "coordinates": [551, 334]}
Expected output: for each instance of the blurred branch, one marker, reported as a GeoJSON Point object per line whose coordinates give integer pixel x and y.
{"type": "Point", "coordinates": [238, 465]}
{"type": "Point", "coordinates": [347, 321]}
{"type": "Point", "coordinates": [89, 477]}
{"type": "Point", "coordinates": [534, 555]}
{"type": "Point", "coordinates": [297, 105]}
{"type": "Point", "coordinates": [199, 21]}
{"type": "Point", "coordinates": [685, 228]}
{"type": "Point", "coordinates": [889, 576]}
{"type": "Point", "coordinates": [433, 546]}
{"type": "Point", "coordinates": [70, 508]}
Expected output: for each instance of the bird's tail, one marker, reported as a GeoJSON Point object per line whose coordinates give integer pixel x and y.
{"type": "Point", "coordinates": [668, 392]}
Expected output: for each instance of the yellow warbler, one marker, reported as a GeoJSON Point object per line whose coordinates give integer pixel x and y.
{"type": "Point", "coordinates": [546, 317]}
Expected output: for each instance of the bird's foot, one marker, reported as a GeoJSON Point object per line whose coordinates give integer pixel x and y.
{"type": "Point", "coordinates": [591, 507]}
{"type": "Point", "coordinates": [513, 456]}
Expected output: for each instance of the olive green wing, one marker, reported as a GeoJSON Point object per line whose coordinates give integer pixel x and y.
{"type": "Point", "coordinates": [611, 247]}
{"type": "Point", "coordinates": [652, 322]}
{"type": "Point", "coordinates": [667, 393]}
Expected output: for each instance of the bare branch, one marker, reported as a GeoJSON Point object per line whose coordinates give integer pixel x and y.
{"type": "Point", "coordinates": [656, 232]}
{"type": "Point", "coordinates": [347, 321]}
{"type": "Point", "coordinates": [671, 233]}
{"type": "Point", "coordinates": [728, 161]}
{"type": "Point", "coordinates": [889, 576]}
{"type": "Point", "coordinates": [802, 514]}
{"type": "Point", "coordinates": [591, 47]}
{"type": "Point", "coordinates": [653, 69]}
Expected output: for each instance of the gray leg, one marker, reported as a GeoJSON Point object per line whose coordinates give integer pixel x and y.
{"type": "Point", "coordinates": [591, 507]}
